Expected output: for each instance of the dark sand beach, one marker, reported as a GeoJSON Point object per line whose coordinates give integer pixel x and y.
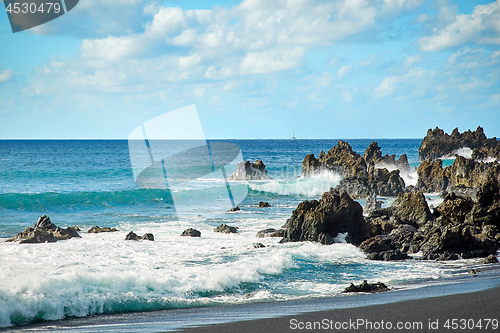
{"type": "Point", "coordinates": [469, 312]}
{"type": "Point", "coordinates": [455, 304]}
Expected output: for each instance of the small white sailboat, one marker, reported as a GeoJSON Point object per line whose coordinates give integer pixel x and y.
{"type": "Point", "coordinates": [292, 137]}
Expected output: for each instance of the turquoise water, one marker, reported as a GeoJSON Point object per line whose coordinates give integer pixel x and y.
{"type": "Point", "coordinates": [90, 182]}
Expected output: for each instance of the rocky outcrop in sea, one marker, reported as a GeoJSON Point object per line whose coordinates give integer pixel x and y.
{"type": "Point", "coordinates": [133, 236]}
{"type": "Point", "coordinates": [365, 287]}
{"type": "Point", "coordinates": [44, 231]}
{"type": "Point", "coordinates": [361, 176]}
{"type": "Point", "coordinates": [98, 230]}
{"type": "Point", "coordinates": [448, 233]}
{"type": "Point", "coordinates": [190, 232]}
{"type": "Point", "coordinates": [457, 228]}
{"type": "Point", "coordinates": [438, 144]}
{"type": "Point", "coordinates": [250, 171]}
{"type": "Point", "coordinates": [321, 221]}
{"type": "Point", "coordinates": [225, 229]}
{"type": "Point", "coordinates": [464, 176]}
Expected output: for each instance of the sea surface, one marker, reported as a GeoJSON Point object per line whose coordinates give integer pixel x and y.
{"type": "Point", "coordinates": [91, 182]}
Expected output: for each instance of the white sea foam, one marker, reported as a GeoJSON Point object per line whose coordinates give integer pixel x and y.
{"type": "Point", "coordinates": [410, 178]}
{"type": "Point", "coordinates": [464, 152]}
{"type": "Point", "coordinates": [103, 273]}
{"type": "Point", "coordinates": [310, 187]}
{"type": "Point", "coordinates": [489, 160]}
{"type": "Point", "coordinates": [433, 199]}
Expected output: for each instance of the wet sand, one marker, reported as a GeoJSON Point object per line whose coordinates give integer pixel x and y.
{"type": "Point", "coordinates": [464, 312]}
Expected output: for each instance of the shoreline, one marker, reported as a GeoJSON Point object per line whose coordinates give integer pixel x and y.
{"type": "Point", "coordinates": [443, 298]}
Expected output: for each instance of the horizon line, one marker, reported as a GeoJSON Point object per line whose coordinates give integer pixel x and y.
{"type": "Point", "coordinates": [126, 139]}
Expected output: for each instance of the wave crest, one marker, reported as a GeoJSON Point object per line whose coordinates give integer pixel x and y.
{"type": "Point", "coordinates": [309, 187]}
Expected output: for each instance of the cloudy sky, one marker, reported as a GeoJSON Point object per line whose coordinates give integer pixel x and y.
{"type": "Point", "coordinates": [255, 69]}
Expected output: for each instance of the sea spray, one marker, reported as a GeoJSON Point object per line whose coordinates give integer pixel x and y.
{"type": "Point", "coordinates": [309, 187]}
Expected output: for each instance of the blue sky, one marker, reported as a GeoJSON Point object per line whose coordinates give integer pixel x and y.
{"type": "Point", "coordinates": [255, 69]}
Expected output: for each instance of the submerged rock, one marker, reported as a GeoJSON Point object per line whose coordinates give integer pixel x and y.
{"type": "Point", "coordinates": [263, 204]}
{"type": "Point", "coordinates": [366, 287]}
{"type": "Point", "coordinates": [133, 236]}
{"type": "Point", "coordinates": [97, 230]}
{"type": "Point", "coordinates": [321, 221]}
{"type": "Point", "coordinates": [491, 259]}
{"type": "Point", "coordinates": [258, 245]}
{"type": "Point", "coordinates": [190, 232]}
{"type": "Point", "coordinates": [224, 228]}
{"type": "Point", "coordinates": [271, 232]}
{"type": "Point", "coordinates": [235, 209]}
{"type": "Point", "coordinates": [250, 171]}
{"type": "Point", "coordinates": [44, 231]}
{"type": "Point", "coordinates": [148, 236]}
{"type": "Point", "coordinates": [389, 255]}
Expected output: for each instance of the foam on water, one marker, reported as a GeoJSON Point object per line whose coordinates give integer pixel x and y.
{"type": "Point", "coordinates": [410, 178]}
{"type": "Point", "coordinates": [103, 273]}
{"type": "Point", "coordinates": [89, 183]}
{"type": "Point", "coordinates": [464, 152]}
{"type": "Point", "coordinates": [309, 187]}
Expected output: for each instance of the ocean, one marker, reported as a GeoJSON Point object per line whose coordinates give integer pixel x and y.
{"type": "Point", "coordinates": [91, 182]}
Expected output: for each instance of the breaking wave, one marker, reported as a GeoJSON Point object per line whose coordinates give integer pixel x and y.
{"type": "Point", "coordinates": [309, 187]}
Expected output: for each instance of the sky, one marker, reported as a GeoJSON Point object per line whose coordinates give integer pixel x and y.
{"type": "Point", "coordinates": [255, 69]}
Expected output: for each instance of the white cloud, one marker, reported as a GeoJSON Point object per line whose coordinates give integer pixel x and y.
{"type": "Point", "coordinates": [7, 104]}
{"type": "Point", "coordinates": [422, 18]}
{"type": "Point", "coordinates": [165, 21]}
{"type": "Point", "coordinates": [260, 26]}
{"type": "Point", "coordinates": [112, 48]}
{"type": "Point", "coordinates": [419, 78]}
{"type": "Point", "coordinates": [326, 79]}
{"type": "Point", "coordinates": [466, 28]}
{"type": "Point", "coordinates": [6, 75]}
{"type": "Point", "coordinates": [413, 59]}
{"type": "Point", "coordinates": [346, 95]}
{"type": "Point", "coordinates": [185, 38]}
{"type": "Point", "coordinates": [224, 72]}
{"type": "Point", "coordinates": [468, 58]}
{"type": "Point", "coordinates": [475, 83]}
{"type": "Point", "coordinates": [343, 71]}
{"type": "Point", "coordinates": [275, 60]}
{"type": "Point", "coordinates": [495, 98]}
{"type": "Point", "coordinates": [332, 62]}
{"type": "Point", "coordinates": [372, 60]}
